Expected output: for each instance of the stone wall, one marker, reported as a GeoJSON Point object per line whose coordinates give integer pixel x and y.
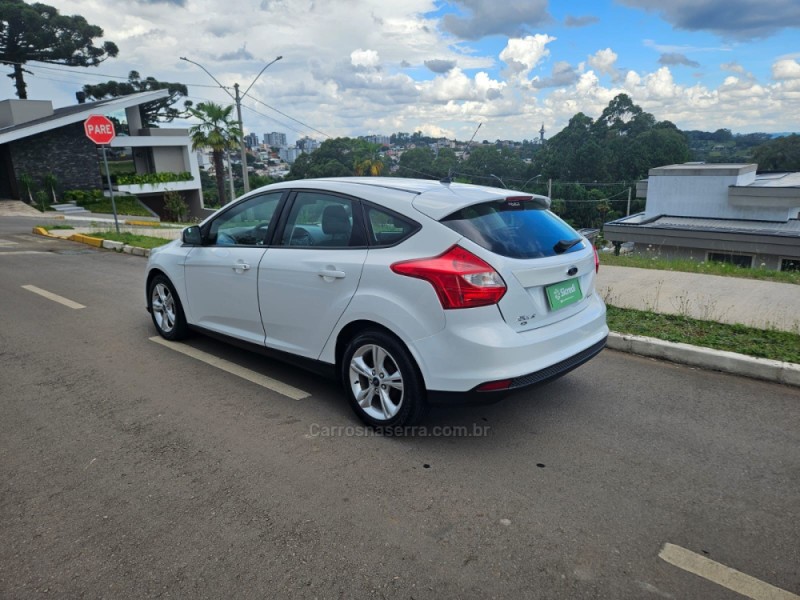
{"type": "Point", "coordinates": [65, 152]}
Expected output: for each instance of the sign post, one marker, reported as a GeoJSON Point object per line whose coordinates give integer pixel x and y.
{"type": "Point", "coordinates": [100, 130]}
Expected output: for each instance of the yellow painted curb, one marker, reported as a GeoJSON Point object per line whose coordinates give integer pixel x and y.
{"type": "Point", "coordinates": [143, 223]}
{"type": "Point", "coordinates": [42, 231]}
{"type": "Point", "coordinates": [85, 239]}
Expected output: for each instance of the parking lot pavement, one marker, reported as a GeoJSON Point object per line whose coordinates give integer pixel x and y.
{"type": "Point", "coordinates": [130, 470]}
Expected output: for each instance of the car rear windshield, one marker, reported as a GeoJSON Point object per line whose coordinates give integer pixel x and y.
{"type": "Point", "coordinates": [516, 229]}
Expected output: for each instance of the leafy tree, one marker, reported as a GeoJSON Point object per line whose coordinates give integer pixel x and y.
{"type": "Point", "coordinates": [217, 130]}
{"type": "Point", "coordinates": [339, 157]}
{"type": "Point", "coordinates": [158, 111]}
{"type": "Point", "coordinates": [444, 163]}
{"type": "Point", "coordinates": [37, 32]}
{"type": "Point", "coordinates": [417, 163]}
{"type": "Point", "coordinates": [558, 159]}
{"type": "Point", "coordinates": [487, 162]}
{"type": "Point", "coordinates": [780, 154]}
{"type": "Point", "coordinates": [300, 167]}
{"type": "Point", "coordinates": [622, 145]}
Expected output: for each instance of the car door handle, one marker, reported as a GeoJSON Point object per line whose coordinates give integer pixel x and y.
{"type": "Point", "coordinates": [332, 273]}
{"type": "Point", "coordinates": [241, 267]}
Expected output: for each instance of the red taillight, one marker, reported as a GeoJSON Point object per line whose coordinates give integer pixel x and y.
{"type": "Point", "coordinates": [596, 260]}
{"type": "Point", "coordinates": [461, 279]}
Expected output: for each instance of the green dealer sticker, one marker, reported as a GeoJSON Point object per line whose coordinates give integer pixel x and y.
{"type": "Point", "coordinates": [563, 294]}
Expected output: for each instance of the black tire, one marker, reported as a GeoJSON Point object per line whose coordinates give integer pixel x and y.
{"type": "Point", "coordinates": [166, 309]}
{"type": "Point", "coordinates": [382, 381]}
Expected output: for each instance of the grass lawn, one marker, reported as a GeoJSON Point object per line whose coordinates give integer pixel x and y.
{"type": "Point", "coordinates": [696, 266]}
{"type": "Point", "coordinates": [51, 227]}
{"type": "Point", "coordinates": [142, 241]}
{"type": "Point", "coordinates": [761, 343]}
{"type": "Point", "coordinates": [126, 205]}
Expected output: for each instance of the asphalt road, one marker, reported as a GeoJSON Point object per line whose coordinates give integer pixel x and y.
{"type": "Point", "coordinates": [130, 470]}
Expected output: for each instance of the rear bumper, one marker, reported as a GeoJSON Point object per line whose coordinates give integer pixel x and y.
{"type": "Point", "coordinates": [477, 347]}
{"type": "Point", "coordinates": [538, 377]}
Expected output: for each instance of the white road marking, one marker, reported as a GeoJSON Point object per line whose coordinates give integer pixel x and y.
{"type": "Point", "coordinates": [234, 369]}
{"type": "Point", "coordinates": [721, 575]}
{"type": "Point", "coordinates": [53, 297]}
{"type": "Point", "coordinates": [8, 243]}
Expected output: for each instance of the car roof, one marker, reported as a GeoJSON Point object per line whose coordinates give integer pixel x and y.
{"type": "Point", "coordinates": [435, 199]}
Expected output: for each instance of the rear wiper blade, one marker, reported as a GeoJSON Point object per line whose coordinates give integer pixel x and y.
{"type": "Point", "coordinates": [564, 245]}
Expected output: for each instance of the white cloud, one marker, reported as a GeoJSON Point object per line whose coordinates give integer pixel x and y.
{"type": "Point", "coordinates": [365, 58]}
{"type": "Point", "coordinates": [455, 85]}
{"type": "Point", "coordinates": [603, 61]}
{"type": "Point", "coordinates": [786, 69]}
{"type": "Point", "coordinates": [523, 54]}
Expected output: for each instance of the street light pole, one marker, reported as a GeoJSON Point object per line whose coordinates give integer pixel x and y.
{"type": "Point", "coordinates": [238, 100]}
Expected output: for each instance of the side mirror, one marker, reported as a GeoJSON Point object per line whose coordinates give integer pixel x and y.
{"type": "Point", "coordinates": [192, 236]}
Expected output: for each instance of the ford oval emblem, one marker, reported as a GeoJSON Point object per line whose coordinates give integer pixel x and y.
{"type": "Point", "coordinates": [572, 271]}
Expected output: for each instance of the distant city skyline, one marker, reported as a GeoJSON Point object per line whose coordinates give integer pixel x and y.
{"type": "Point", "coordinates": [442, 67]}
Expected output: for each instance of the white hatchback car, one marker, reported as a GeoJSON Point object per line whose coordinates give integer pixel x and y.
{"type": "Point", "coordinates": [408, 291]}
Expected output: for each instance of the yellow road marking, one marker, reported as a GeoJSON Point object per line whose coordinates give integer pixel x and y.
{"type": "Point", "coordinates": [721, 575]}
{"type": "Point", "coordinates": [234, 369]}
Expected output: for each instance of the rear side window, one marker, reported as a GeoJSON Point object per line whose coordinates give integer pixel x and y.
{"type": "Point", "coordinates": [515, 229]}
{"type": "Point", "coordinates": [388, 228]}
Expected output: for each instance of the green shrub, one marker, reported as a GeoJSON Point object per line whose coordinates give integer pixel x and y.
{"type": "Point", "coordinates": [176, 206]}
{"type": "Point", "coordinates": [151, 178]}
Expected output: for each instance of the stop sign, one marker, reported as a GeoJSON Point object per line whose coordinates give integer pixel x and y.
{"type": "Point", "coordinates": [99, 129]}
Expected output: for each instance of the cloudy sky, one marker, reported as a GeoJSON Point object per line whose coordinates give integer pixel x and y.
{"type": "Point", "coordinates": [357, 67]}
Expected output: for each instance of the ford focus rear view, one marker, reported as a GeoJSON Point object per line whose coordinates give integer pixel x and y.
{"type": "Point", "coordinates": [409, 292]}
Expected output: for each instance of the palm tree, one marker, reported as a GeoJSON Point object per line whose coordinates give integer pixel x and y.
{"type": "Point", "coordinates": [368, 160]}
{"type": "Point", "coordinates": [218, 131]}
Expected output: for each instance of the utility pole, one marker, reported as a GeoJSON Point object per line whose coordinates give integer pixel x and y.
{"type": "Point", "coordinates": [238, 99]}
{"type": "Point", "coordinates": [245, 174]}
{"type": "Point", "coordinates": [550, 188]}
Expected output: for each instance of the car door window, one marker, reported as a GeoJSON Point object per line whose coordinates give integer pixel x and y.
{"type": "Point", "coordinates": [320, 220]}
{"type": "Point", "coordinates": [247, 223]}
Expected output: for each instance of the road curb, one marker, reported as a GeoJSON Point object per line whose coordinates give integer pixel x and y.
{"type": "Point", "coordinates": [707, 358]}
{"type": "Point", "coordinates": [43, 231]}
{"type": "Point", "coordinates": [85, 239]}
{"type": "Point", "coordinates": [96, 242]}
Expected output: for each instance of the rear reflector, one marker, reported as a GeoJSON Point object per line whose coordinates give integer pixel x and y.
{"type": "Point", "coordinates": [493, 386]}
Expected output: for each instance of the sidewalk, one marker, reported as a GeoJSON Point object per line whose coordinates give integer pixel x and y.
{"type": "Point", "coordinates": [16, 208]}
{"type": "Point", "coordinates": [761, 304]}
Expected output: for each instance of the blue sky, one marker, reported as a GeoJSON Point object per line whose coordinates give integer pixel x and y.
{"type": "Point", "coordinates": [357, 67]}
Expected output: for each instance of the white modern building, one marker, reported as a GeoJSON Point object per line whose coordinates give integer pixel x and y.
{"type": "Point", "coordinates": [717, 212]}
{"type": "Point", "coordinates": [37, 139]}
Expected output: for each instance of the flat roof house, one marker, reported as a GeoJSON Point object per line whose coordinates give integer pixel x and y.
{"type": "Point", "coordinates": [36, 139]}
{"type": "Point", "coordinates": [718, 212]}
